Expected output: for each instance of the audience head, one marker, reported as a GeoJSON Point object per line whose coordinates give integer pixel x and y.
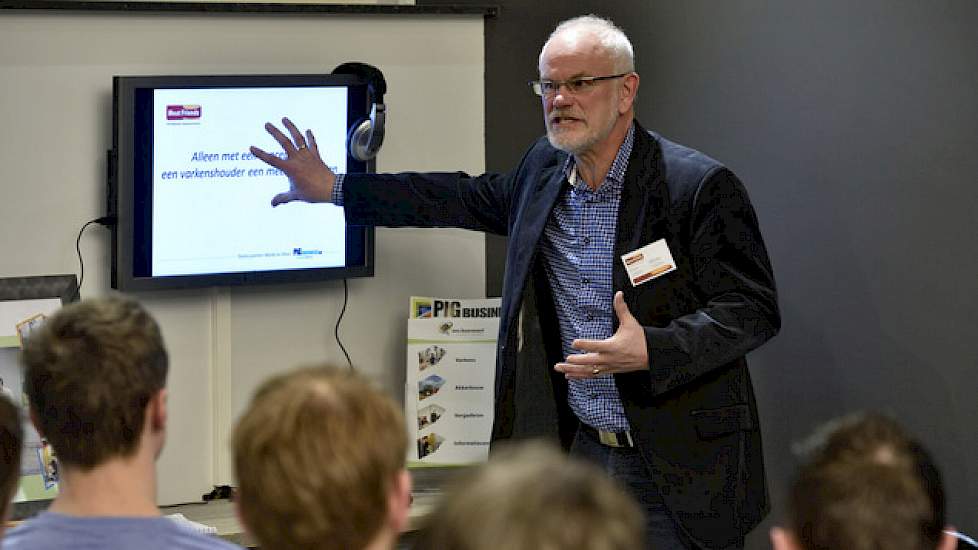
{"type": "Point", "coordinates": [534, 497]}
{"type": "Point", "coordinates": [11, 441]}
{"type": "Point", "coordinates": [865, 484]}
{"type": "Point", "coordinates": [94, 375]}
{"type": "Point", "coordinates": [319, 457]}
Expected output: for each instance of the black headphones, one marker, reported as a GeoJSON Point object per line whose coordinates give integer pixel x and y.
{"type": "Point", "coordinates": [367, 135]}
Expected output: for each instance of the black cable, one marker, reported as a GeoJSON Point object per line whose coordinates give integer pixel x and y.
{"type": "Point", "coordinates": [81, 263]}
{"type": "Point", "coordinates": [105, 221]}
{"type": "Point", "coordinates": [336, 331]}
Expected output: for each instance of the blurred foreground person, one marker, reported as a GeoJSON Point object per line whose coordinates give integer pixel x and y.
{"type": "Point", "coordinates": [533, 497]}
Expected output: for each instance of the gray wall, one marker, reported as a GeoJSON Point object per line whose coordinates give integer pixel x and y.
{"type": "Point", "coordinates": [853, 125]}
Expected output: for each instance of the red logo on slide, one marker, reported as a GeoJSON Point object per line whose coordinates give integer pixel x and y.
{"type": "Point", "coordinates": [182, 112]}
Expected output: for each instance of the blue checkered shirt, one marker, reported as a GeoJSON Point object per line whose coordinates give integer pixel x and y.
{"type": "Point", "coordinates": [578, 250]}
{"type": "Point", "coordinates": [336, 197]}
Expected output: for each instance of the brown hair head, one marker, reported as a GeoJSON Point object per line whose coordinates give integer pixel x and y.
{"type": "Point", "coordinates": [89, 373]}
{"type": "Point", "coordinates": [316, 456]}
{"type": "Point", "coordinates": [866, 485]}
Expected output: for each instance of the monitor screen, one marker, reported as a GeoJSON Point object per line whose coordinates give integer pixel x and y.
{"type": "Point", "coordinates": [193, 204]}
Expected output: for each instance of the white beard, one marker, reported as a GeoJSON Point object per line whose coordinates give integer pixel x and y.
{"type": "Point", "coordinates": [577, 142]}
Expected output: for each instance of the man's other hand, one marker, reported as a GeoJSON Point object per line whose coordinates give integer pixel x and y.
{"type": "Point", "coordinates": [624, 351]}
{"type": "Point", "coordinates": [310, 180]}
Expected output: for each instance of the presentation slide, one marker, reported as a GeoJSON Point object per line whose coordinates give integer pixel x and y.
{"type": "Point", "coordinates": [211, 196]}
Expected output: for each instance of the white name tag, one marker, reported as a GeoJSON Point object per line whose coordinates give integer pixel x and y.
{"type": "Point", "coordinates": [649, 262]}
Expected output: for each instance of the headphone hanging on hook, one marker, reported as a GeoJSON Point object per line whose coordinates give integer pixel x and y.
{"type": "Point", "coordinates": [367, 135]}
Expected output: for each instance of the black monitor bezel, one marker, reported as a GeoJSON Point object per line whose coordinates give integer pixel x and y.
{"type": "Point", "coordinates": [123, 190]}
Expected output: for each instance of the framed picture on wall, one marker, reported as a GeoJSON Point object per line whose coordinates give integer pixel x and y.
{"type": "Point", "coordinates": [25, 303]}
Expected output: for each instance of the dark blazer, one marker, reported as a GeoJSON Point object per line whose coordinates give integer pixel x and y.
{"type": "Point", "coordinates": [693, 413]}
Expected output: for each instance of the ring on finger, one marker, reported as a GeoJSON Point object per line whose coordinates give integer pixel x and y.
{"type": "Point", "coordinates": [596, 370]}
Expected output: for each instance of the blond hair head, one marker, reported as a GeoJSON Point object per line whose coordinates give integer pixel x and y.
{"type": "Point", "coordinates": [316, 455]}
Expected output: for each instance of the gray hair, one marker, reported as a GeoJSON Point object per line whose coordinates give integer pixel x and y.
{"type": "Point", "coordinates": [610, 37]}
{"type": "Point", "coordinates": [531, 496]}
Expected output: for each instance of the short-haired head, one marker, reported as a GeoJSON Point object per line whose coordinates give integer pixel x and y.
{"type": "Point", "coordinates": [604, 34]}
{"type": "Point", "coordinates": [11, 441]}
{"type": "Point", "coordinates": [534, 497]}
{"type": "Point", "coordinates": [89, 373]}
{"type": "Point", "coordinates": [866, 484]}
{"type": "Point", "coordinates": [317, 455]}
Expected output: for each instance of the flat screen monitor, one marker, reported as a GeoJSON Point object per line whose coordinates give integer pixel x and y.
{"type": "Point", "coordinates": [192, 204]}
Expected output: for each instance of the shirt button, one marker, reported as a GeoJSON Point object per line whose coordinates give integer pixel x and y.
{"type": "Point", "coordinates": [585, 280]}
{"type": "Point", "coordinates": [589, 317]}
{"type": "Point", "coordinates": [587, 241]}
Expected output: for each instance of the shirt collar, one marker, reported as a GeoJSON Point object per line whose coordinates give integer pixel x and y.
{"type": "Point", "coordinates": [616, 175]}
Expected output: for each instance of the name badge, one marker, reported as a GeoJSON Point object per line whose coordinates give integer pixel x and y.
{"type": "Point", "coordinates": [649, 262]}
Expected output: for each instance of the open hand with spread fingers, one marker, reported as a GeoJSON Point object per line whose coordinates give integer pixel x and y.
{"type": "Point", "coordinates": [624, 351]}
{"type": "Point", "coordinates": [310, 180]}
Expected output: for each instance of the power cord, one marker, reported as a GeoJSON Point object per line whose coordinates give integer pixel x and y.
{"type": "Point", "coordinates": [336, 330]}
{"type": "Point", "coordinates": [104, 221]}
{"type": "Point", "coordinates": [108, 221]}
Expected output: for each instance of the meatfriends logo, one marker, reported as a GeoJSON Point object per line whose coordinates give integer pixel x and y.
{"type": "Point", "coordinates": [183, 112]}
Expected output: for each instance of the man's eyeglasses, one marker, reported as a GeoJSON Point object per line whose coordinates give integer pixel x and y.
{"type": "Point", "coordinates": [574, 86]}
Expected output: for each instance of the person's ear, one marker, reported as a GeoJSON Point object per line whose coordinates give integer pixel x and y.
{"type": "Point", "coordinates": [157, 410]}
{"type": "Point", "coordinates": [948, 540]}
{"type": "Point", "coordinates": [629, 90]}
{"type": "Point", "coordinates": [783, 539]}
{"type": "Point", "coordinates": [399, 501]}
